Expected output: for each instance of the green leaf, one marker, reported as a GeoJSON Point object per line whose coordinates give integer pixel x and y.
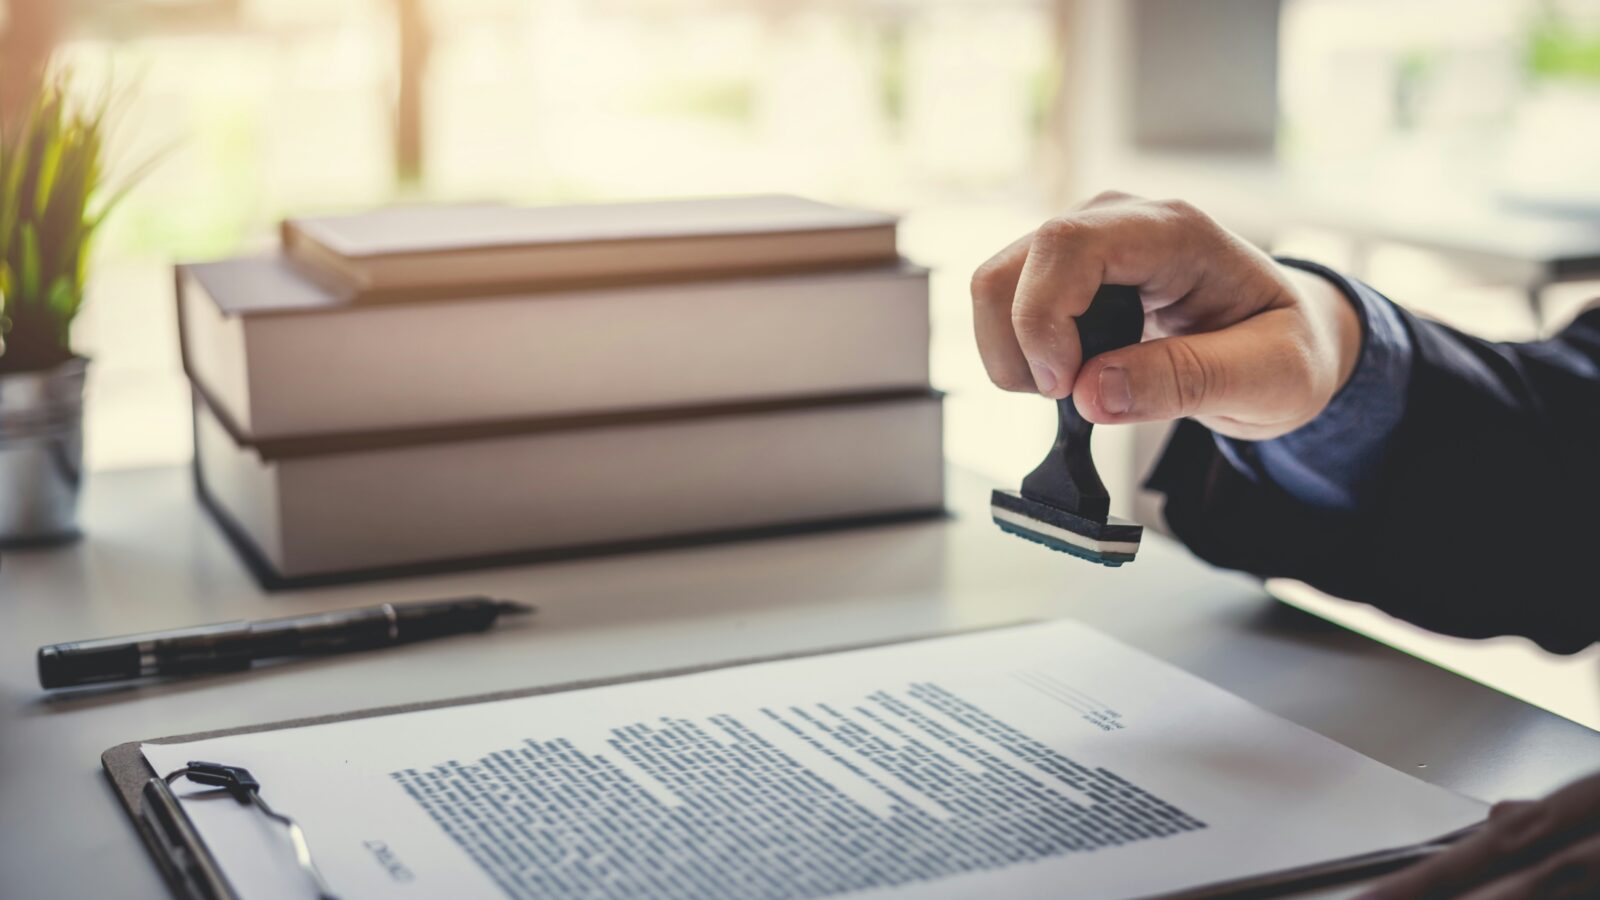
{"type": "Point", "coordinates": [28, 274]}
{"type": "Point", "coordinates": [45, 179]}
{"type": "Point", "coordinates": [59, 296]}
{"type": "Point", "coordinates": [53, 199]}
{"type": "Point", "coordinates": [80, 272]}
{"type": "Point", "coordinates": [63, 301]}
{"type": "Point", "coordinates": [16, 163]}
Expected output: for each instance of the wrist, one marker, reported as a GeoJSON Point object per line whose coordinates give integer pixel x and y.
{"type": "Point", "coordinates": [1339, 325]}
{"type": "Point", "coordinates": [1333, 461]}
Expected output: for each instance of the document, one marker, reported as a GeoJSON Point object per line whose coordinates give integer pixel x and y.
{"type": "Point", "coordinates": [1035, 761]}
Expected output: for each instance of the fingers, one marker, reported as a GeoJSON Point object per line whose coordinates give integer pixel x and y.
{"type": "Point", "coordinates": [1568, 874]}
{"type": "Point", "coordinates": [1150, 246]}
{"type": "Point", "coordinates": [1192, 275]}
{"type": "Point", "coordinates": [1575, 806]}
{"type": "Point", "coordinates": [1257, 369]}
{"type": "Point", "coordinates": [1514, 837]}
{"type": "Point", "coordinates": [1508, 807]}
{"type": "Point", "coordinates": [1443, 875]}
{"type": "Point", "coordinates": [1053, 289]}
{"type": "Point", "coordinates": [993, 285]}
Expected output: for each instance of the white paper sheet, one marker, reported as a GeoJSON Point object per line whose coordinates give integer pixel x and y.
{"type": "Point", "coordinates": [1044, 760]}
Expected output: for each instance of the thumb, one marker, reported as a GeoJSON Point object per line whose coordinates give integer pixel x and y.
{"type": "Point", "coordinates": [1252, 374]}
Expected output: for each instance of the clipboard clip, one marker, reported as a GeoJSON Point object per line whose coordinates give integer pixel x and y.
{"type": "Point", "coordinates": [236, 780]}
{"type": "Point", "coordinates": [192, 864]}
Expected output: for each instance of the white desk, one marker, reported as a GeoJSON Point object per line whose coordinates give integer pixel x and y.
{"type": "Point", "coordinates": [151, 560]}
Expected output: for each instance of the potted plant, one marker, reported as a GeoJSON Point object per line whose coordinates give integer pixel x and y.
{"type": "Point", "coordinates": [51, 205]}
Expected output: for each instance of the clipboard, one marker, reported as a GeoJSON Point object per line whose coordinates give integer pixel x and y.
{"type": "Point", "coordinates": [192, 873]}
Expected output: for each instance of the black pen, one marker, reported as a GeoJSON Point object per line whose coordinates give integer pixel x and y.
{"type": "Point", "coordinates": [232, 646]}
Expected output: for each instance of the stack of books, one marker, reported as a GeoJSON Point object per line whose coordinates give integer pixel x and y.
{"type": "Point", "coordinates": [420, 388]}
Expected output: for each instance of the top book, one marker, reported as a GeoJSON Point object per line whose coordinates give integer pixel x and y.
{"type": "Point", "coordinates": [409, 249]}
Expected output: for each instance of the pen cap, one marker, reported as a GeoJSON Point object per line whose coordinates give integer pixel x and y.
{"type": "Point", "coordinates": [65, 665]}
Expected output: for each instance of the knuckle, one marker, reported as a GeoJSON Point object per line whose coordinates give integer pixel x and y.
{"type": "Point", "coordinates": [1180, 208]}
{"type": "Point", "coordinates": [987, 283]}
{"type": "Point", "coordinates": [1055, 233]}
{"type": "Point", "coordinates": [1505, 808]}
{"type": "Point", "coordinates": [1186, 214]}
{"type": "Point", "coordinates": [1193, 380]}
{"type": "Point", "coordinates": [1029, 322]}
{"type": "Point", "coordinates": [1516, 831]}
{"type": "Point", "coordinates": [1110, 197]}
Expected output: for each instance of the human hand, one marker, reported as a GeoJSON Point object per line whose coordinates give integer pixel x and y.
{"type": "Point", "coordinates": [1546, 848]}
{"type": "Point", "coordinates": [1251, 349]}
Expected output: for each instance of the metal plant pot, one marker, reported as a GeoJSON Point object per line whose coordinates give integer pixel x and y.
{"type": "Point", "coordinates": [41, 454]}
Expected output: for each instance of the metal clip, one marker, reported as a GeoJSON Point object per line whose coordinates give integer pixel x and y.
{"type": "Point", "coordinates": [243, 787]}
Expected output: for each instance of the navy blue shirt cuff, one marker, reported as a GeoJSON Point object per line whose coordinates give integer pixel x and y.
{"type": "Point", "coordinates": [1330, 462]}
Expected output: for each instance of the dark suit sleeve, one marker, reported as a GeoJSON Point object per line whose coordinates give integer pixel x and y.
{"type": "Point", "coordinates": [1484, 519]}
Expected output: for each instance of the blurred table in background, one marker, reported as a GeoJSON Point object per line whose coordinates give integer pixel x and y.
{"type": "Point", "coordinates": [1486, 236]}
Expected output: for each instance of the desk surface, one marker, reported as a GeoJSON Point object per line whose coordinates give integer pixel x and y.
{"type": "Point", "coordinates": [153, 561]}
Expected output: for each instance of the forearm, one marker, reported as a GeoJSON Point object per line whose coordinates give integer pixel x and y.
{"type": "Point", "coordinates": [1471, 513]}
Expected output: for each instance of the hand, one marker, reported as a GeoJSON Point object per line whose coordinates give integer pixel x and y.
{"type": "Point", "coordinates": [1251, 349]}
{"type": "Point", "coordinates": [1547, 848]}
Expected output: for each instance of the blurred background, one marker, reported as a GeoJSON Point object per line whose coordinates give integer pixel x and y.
{"type": "Point", "coordinates": [1446, 150]}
